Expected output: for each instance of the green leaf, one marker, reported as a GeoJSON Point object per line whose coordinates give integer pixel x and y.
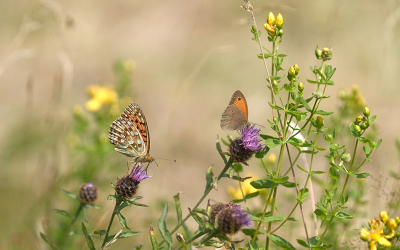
{"type": "Point", "coordinates": [273, 142]}
{"type": "Point", "coordinates": [288, 184]}
{"type": "Point", "coordinates": [126, 235]}
{"type": "Point", "coordinates": [342, 215]}
{"type": "Point", "coordinates": [197, 218]}
{"type": "Point", "coordinates": [178, 208]}
{"type": "Point", "coordinates": [290, 89]}
{"type": "Point", "coordinates": [265, 56]}
{"type": "Point", "coordinates": [89, 240]}
{"type": "Point", "coordinates": [281, 55]}
{"type": "Point", "coordinates": [317, 172]}
{"type": "Point", "coordinates": [209, 178]}
{"type": "Point", "coordinates": [319, 149]}
{"type": "Point", "coordinates": [372, 118]}
{"type": "Point", "coordinates": [100, 232]}
{"type": "Point", "coordinates": [334, 173]}
{"type": "Point", "coordinates": [200, 211]}
{"type": "Point", "coordinates": [338, 167]}
{"type": "Point", "coordinates": [319, 213]}
{"type": "Point", "coordinates": [367, 150]}
{"type": "Point", "coordinates": [302, 242]}
{"type": "Point", "coordinates": [262, 183]}
{"type": "Point", "coordinates": [111, 197]}
{"type": "Point", "coordinates": [313, 82]}
{"type": "Point", "coordinates": [321, 112]}
{"type": "Point", "coordinates": [51, 244]}
{"type": "Point", "coordinates": [361, 175]}
{"type": "Point", "coordinates": [153, 238]}
{"type": "Point", "coordinates": [304, 196]}
{"type": "Point", "coordinates": [377, 144]}
{"type": "Point", "coordinates": [328, 138]}
{"type": "Point", "coordinates": [295, 141]}
{"type": "Point", "coordinates": [262, 154]}
{"type": "Point", "coordinates": [280, 180]}
{"type": "Point", "coordinates": [275, 107]}
{"type": "Point", "coordinates": [305, 104]}
{"type": "Point", "coordinates": [62, 212]}
{"type": "Point", "coordinates": [162, 226]}
{"type": "Point", "coordinates": [69, 194]}
{"type": "Point", "coordinates": [322, 207]}
{"type": "Point", "coordinates": [280, 242]}
{"type": "Point", "coordinates": [122, 220]}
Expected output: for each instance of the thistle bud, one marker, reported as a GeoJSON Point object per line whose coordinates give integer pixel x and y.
{"type": "Point", "coordinates": [357, 128]}
{"type": "Point", "coordinates": [318, 53]}
{"type": "Point", "coordinates": [358, 119]}
{"type": "Point", "coordinates": [300, 87]}
{"type": "Point", "coordinates": [392, 224]}
{"type": "Point", "coordinates": [384, 216]}
{"type": "Point", "coordinates": [88, 193]}
{"type": "Point", "coordinates": [296, 69]}
{"type": "Point", "coordinates": [270, 29]}
{"type": "Point", "coordinates": [128, 185]}
{"type": "Point", "coordinates": [279, 21]}
{"type": "Point", "coordinates": [320, 122]}
{"type": "Point", "coordinates": [366, 112]}
{"type": "Point", "coordinates": [271, 19]}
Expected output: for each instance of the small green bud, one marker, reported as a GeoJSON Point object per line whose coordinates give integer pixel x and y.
{"type": "Point", "coordinates": [357, 128]}
{"type": "Point", "coordinates": [346, 157]}
{"type": "Point", "coordinates": [296, 69]}
{"type": "Point", "coordinates": [300, 87]}
{"type": "Point", "coordinates": [326, 54]}
{"type": "Point", "coordinates": [318, 53]}
{"type": "Point", "coordinates": [253, 28]}
{"type": "Point", "coordinates": [275, 120]}
{"type": "Point", "coordinates": [358, 119]}
{"type": "Point", "coordinates": [281, 33]}
{"type": "Point", "coordinates": [364, 125]}
{"type": "Point", "coordinates": [275, 84]}
{"type": "Point", "coordinates": [366, 112]}
{"type": "Point", "coordinates": [230, 138]}
{"type": "Point", "coordinates": [320, 122]}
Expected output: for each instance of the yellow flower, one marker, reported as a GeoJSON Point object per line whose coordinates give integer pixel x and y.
{"type": "Point", "coordinates": [100, 95]}
{"type": "Point", "coordinates": [270, 29]}
{"type": "Point", "coordinates": [375, 235]}
{"type": "Point", "coordinates": [236, 194]}
{"type": "Point", "coordinates": [271, 158]}
{"type": "Point", "coordinates": [279, 21]}
{"type": "Point", "coordinates": [384, 216]}
{"type": "Point", "coordinates": [93, 105]}
{"type": "Point", "coordinates": [271, 19]}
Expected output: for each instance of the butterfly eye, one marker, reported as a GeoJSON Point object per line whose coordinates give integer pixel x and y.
{"type": "Point", "coordinates": [239, 99]}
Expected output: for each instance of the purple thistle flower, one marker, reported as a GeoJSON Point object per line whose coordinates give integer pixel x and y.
{"type": "Point", "coordinates": [240, 215]}
{"type": "Point", "coordinates": [250, 138]}
{"type": "Point", "coordinates": [138, 174]}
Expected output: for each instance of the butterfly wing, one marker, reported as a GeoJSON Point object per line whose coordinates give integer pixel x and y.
{"type": "Point", "coordinates": [130, 135]}
{"type": "Point", "coordinates": [235, 116]}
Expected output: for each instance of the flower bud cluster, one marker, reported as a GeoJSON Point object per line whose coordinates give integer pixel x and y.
{"type": "Point", "coordinates": [362, 123]}
{"type": "Point", "coordinates": [293, 72]}
{"type": "Point", "coordinates": [325, 54]}
{"type": "Point", "coordinates": [274, 26]}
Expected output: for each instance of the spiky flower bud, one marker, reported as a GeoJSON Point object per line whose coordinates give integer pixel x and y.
{"type": "Point", "coordinates": [358, 119]}
{"type": "Point", "coordinates": [366, 112]}
{"type": "Point", "coordinates": [300, 87]}
{"type": "Point", "coordinates": [392, 224]}
{"type": "Point", "coordinates": [238, 152]}
{"type": "Point", "coordinates": [231, 217]}
{"type": "Point", "coordinates": [271, 19]}
{"type": "Point", "coordinates": [279, 21]}
{"type": "Point", "coordinates": [128, 185]}
{"type": "Point", "coordinates": [384, 216]}
{"type": "Point", "coordinates": [88, 193]}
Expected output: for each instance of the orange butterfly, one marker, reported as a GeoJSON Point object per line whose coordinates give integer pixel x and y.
{"type": "Point", "coordinates": [235, 116]}
{"type": "Point", "coordinates": [130, 135]}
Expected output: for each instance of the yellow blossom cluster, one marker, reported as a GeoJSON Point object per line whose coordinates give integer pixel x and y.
{"type": "Point", "coordinates": [354, 98]}
{"type": "Point", "coordinates": [100, 95]}
{"type": "Point", "coordinates": [274, 26]}
{"type": "Point", "coordinates": [380, 230]}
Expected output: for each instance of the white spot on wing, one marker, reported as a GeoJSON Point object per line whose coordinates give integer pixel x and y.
{"type": "Point", "coordinates": [130, 142]}
{"type": "Point", "coordinates": [139, 142]}
{"type": "Point", "coordinates": [122, 140]}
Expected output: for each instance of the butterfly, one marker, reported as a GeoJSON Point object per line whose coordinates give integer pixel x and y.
{"type": "Point", "coordinates": [235, 116]}
{"type": "Point", "coordinates": [130, 135]}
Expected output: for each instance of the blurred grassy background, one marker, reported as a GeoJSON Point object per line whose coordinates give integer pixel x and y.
{"type": "Point", "coordinates": [190, 56]}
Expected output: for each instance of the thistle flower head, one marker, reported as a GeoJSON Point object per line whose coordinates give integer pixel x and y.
{"type": "Point", "coordinates": [128, 185]}
{"type": "Point", "coordinates": [251, 138]}
{"type": "Point", "coordinates": [231, 218]}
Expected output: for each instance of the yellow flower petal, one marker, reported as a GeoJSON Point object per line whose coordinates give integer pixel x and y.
{"type": "Point", "coordinates": [384, 242]}
{"type": "Point", "coordinates": [93, 105]}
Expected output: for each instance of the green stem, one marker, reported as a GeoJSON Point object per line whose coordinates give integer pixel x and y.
{"type": "Point", "coordinates": [78, 211]}
{"type": "Point", "coordinates": [341, 195]}
{"type": "Point", "coordinates": [208, 190]}
{"type": "Point", "coordinates": [118, 202]}
{"type": "Point", "coordinates": [272, 212]}
{"type": "Point", "coordinates": [244, 196]}
{"type": "Point", "coordinates": [283, 222]}
{"type": "Point", "coordinates": [212, 234]}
